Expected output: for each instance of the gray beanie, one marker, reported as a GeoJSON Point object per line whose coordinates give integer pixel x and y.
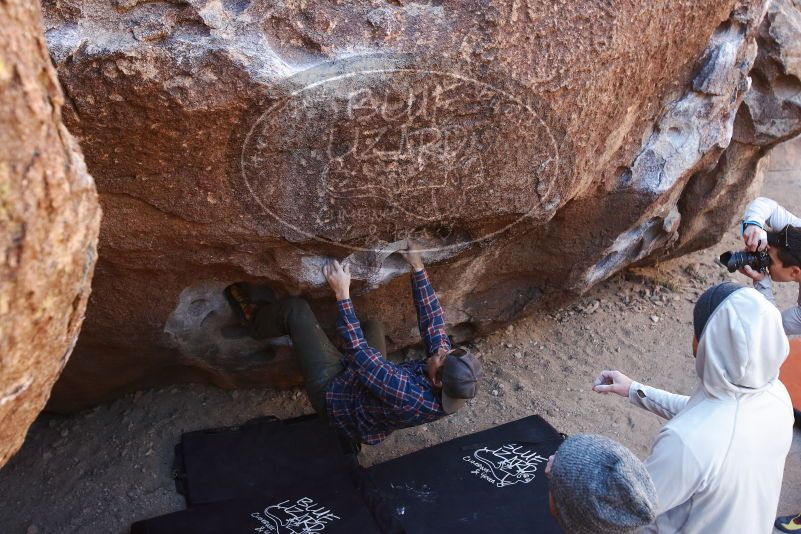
{"type": "Point", "coordinates": [598, 485]}
{"type": "Point", "coordinates": [708, 302]}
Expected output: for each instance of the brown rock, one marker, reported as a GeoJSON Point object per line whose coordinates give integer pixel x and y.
{"type": "Point", "coordinates": [49, 219]}
{"type": "Point", "coordinates": [769, 115]}
{"type": "Point", "coordinates": [535, 147]}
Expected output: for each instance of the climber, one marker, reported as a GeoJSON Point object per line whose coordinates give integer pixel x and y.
{"type": "Point", "coordinates": [718, 463]}
{"type": "Point", "coordinates": [360, 393]}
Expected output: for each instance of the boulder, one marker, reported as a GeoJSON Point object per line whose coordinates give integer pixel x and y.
{"type": "Point", "coordinates": [534, 147]}
{"type": "Point", "coordinates": [49, 221]}
{"type": "Point", "coordinates": [769, 116]}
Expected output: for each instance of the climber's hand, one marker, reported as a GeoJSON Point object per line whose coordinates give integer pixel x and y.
{"type": "Point", "coordinates": [338, 278]}
{"type": "Point", "coordinates": [412, 255]}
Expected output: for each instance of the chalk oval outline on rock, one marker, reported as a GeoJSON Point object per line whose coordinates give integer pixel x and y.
{"type": "Point", "coordinates": [328, 181]}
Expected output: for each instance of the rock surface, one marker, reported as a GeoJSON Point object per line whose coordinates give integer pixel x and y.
{"type": "Point", "coordinates": [534, 147]}
{"type": "Point", "coordinates": [769, 115]}
{"type": "Point", "coordinates": [49, 221]}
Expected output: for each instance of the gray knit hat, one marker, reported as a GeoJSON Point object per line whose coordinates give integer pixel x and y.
{"type": "Point", "coordinates": [708, 303]}
{"type": "Point", "coordinates": [598, 485]}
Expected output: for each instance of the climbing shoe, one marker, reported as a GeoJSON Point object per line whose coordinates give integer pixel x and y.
{"type": "Point", "coordinates": [239, 300]}
{"type": "Point", "coordinates": [789, 523]}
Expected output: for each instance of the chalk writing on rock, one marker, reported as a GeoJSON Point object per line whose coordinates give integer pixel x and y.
{"type": "Point", "coordinates": [366, 156]}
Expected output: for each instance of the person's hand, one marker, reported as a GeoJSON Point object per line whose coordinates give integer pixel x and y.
{"type": "Point", "coordinates": [338, 278]}
{"type": "Point", "coordinates": [412, 256]}
{"type": "Point", "coordinates": [612, 382]}
{"type": "Point", "coordinates": [549, 466]}
{"type": "Point", "coordinates": [755, 238]}
{"type": "Point", "coordinates": [756, 276]}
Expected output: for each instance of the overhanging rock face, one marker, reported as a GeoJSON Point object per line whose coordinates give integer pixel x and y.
{"type": "Point", "coordinates": [769, 115]}
{"type": "Point", "coordinates": [49, 221]}
{"type": "Point", "coordinates": [534, 148]}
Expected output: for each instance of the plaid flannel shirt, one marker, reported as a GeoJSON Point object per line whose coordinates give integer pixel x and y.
{"type": "Point", "coordinates": [372, 396]}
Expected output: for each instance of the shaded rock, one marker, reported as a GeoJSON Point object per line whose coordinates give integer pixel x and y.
{"type": "Point", "coordinates": [535, 148]}
{"type": "Point", "coordinates": [49, 220]}
{"type": "Point", "coordinates": [769, 115]}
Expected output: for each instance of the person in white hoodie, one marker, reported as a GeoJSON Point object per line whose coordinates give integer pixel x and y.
{"type": "Point", "coordinates": [718, 463]}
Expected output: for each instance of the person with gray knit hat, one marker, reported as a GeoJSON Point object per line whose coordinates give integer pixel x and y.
{"type": "Point", "coordinates": [598, 485]}
{"type": "Point", "coordinates": [718, 462]}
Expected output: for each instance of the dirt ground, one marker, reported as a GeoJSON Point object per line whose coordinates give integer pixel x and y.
{"type": "Point", "coordinates": [101, 470]}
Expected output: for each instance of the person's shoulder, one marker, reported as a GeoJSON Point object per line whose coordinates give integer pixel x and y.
{"type": "Point", "coordinates": [699, 455]}
{"type": "Point", "coordinates": [416, 369]}
{"type": "Point", "coordinates": [704, 428]}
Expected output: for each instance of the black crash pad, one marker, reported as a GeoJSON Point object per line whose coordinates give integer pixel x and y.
{"type": "Point", "coordinates": [266, 454]}
{"type": "Point", "coordinates": [334, 507]}
{"type": "Point", "coordinates": [491, 481]}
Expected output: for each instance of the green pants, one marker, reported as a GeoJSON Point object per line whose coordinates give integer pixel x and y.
{"type": "Point", "coordinates": [319, 359]}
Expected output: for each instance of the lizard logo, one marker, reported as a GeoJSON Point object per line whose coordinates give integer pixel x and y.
{"type": "Point", "coordinates": [506, 465]}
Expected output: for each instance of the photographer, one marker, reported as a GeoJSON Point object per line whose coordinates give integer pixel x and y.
{"type": "Point", "coordinates": [783, 244]}
{"type": "Point", "coordinates": [784, 248]}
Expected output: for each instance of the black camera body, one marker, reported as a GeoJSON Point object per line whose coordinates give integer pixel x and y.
{"type": "Point", "coordinates": [734, 261]}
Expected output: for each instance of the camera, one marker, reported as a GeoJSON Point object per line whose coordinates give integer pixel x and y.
{"type": "Point", "coordinates": [734, 261]}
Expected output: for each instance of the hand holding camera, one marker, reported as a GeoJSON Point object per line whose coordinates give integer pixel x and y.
{"type": "Point", "coordinates": [755, 238]}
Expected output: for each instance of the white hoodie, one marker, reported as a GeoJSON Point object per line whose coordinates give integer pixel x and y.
{"type": "Point", "coordinates": [718, 463]}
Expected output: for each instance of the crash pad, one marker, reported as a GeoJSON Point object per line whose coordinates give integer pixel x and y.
{"type": "Point", "coordinates": [262, 454]}
{"type": "Point", "coordinates": [490, 481]}
{"type": "Point", "coordinates": [334, 506]}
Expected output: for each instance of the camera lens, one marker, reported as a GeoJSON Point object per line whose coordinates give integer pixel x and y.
{"type": "Point", "coordinates": [734, 261]}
